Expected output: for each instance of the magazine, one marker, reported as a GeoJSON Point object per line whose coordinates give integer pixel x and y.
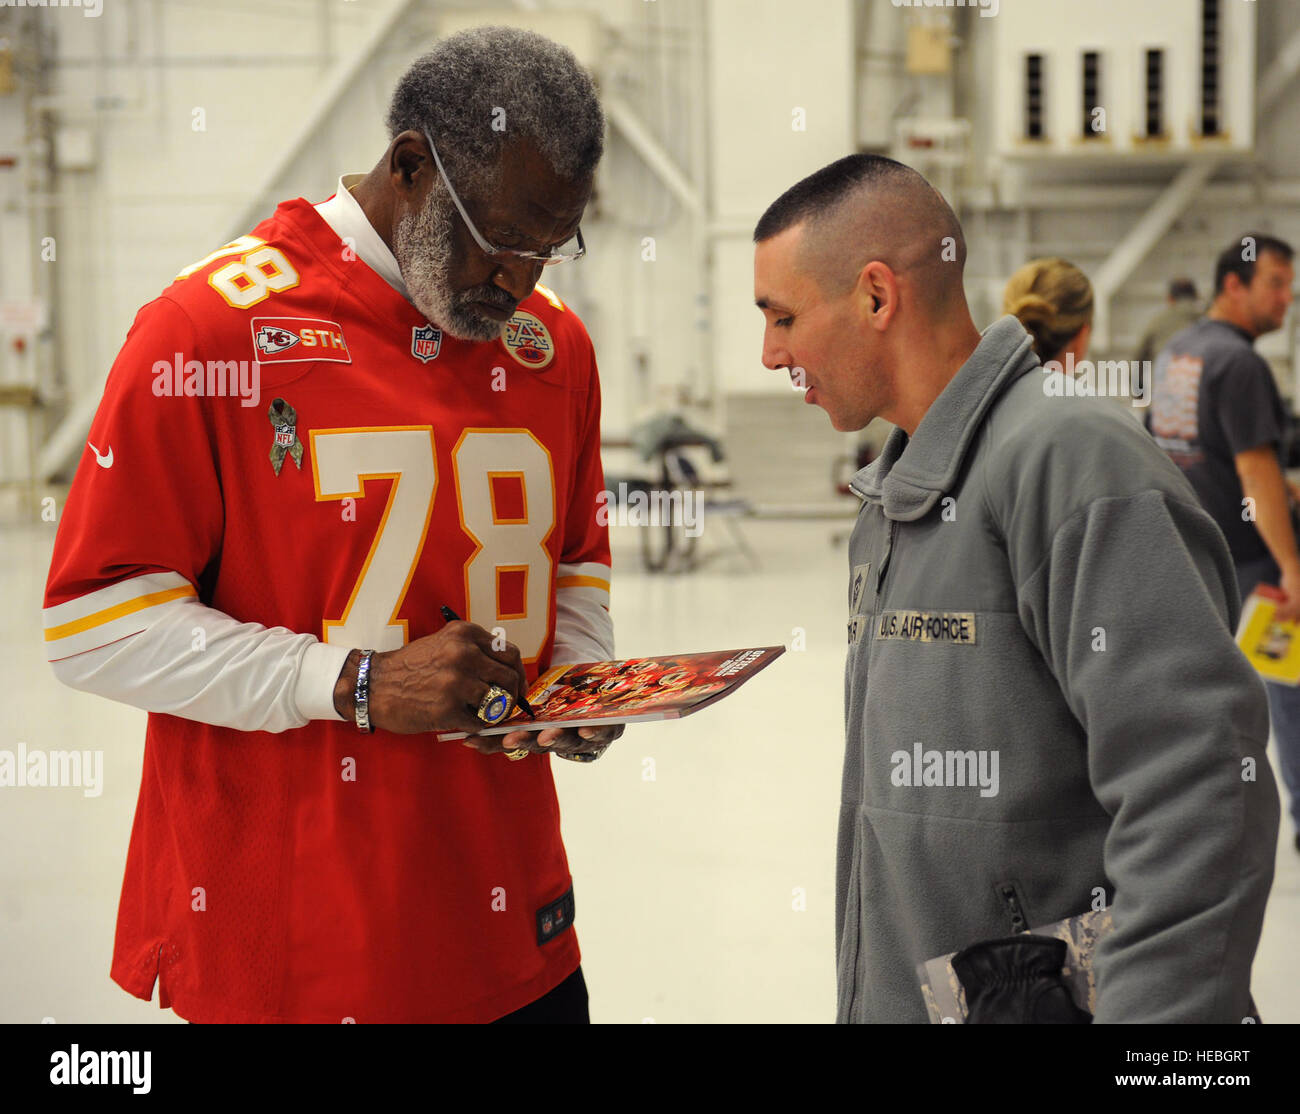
{"type": "Point", "coordinates": [1273, 648]}
{"type": "Point", "coordinates": [637, 690]}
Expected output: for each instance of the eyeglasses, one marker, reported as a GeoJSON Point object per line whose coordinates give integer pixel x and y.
{"type": "Point", "coordinates": [571, 249]}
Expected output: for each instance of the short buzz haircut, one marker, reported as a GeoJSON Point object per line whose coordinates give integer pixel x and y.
{"type": "Point", "coordinates": [819, 192]}
{"type": "Point", "coordinates": [864, 207]}
{"type": "Point", "coordinates": [1230, 262]}
{"type": "Point", "coordinates": [482, 88]}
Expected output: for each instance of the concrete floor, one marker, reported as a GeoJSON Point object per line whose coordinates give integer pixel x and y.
{"type": "Point", "coordinates": [689, 886]}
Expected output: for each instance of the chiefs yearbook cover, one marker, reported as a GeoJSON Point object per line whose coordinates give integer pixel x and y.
{"type": "Point", "coordinates": [633, 691]}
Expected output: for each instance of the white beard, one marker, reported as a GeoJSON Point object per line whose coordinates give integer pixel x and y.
{"type": "Point", "coordinates": [422, 246]}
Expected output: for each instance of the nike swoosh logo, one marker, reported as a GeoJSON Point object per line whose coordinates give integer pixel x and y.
{"type": "Point", "coordinates": [104, 460]}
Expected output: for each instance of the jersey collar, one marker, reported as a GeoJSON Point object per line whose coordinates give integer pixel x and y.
{"type": "Point", "coordinates": [343, 213]}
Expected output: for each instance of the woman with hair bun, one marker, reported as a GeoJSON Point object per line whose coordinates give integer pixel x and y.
{"type": "Point", "coordinates": [1053, 301]}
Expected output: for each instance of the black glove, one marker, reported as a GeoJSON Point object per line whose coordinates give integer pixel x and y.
{"type": "Point", "coordinates": [1017, 981]}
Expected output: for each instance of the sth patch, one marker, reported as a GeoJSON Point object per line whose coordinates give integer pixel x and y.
{"type": "Point", "coordinates": [555, 918]}
{"type": "Point", "coordinates": [928, 626]}
{"type": "Point", "coordinates": [292, 340]}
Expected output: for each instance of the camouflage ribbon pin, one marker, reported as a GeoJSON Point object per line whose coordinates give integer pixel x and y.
{"type": "Point", "coordinates": [284, 420]}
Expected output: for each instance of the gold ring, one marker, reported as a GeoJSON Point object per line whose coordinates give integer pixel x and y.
{"type": "Point", "coordinates": [495, 706]}
{"type": "Point", "coordinates": [516, 755]}
{"type": "Point", "coordinates": [582, 756]}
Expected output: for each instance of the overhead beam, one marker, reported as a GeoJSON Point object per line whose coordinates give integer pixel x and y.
{"type": "Point", "coordinates": [1279, 75]}
{"type": "Point", "coordinates": [622, 116]}
{"type": "Point", "coordinates": [336, 84]}
{"type": "Point", "coordinates": [1149, 228]}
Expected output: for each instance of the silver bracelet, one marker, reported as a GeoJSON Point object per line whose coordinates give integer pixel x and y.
{"type": "Point", "coordinates": [361, 696]}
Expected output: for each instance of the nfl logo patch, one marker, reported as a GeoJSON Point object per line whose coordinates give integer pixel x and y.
{"type": "Point", "coordinates": [426, 341]}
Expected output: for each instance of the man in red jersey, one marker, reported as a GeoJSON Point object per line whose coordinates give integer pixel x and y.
{"type": "Point", "coordinates": [312, 441]}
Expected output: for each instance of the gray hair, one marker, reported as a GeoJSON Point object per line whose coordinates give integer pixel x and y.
{"type": "Point", "coordinates": [480, 89]}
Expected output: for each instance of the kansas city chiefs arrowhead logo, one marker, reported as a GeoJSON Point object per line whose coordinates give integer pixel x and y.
{"type": "Point", "coordinates": [272, 340]}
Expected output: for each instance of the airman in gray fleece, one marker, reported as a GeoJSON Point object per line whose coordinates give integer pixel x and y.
{"type": "Point", "coordinates": [1045, 707]}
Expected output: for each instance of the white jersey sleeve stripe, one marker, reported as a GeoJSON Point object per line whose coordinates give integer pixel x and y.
{"type": "Point", "coordinates": [110, 613]}
{"type": "Point", "coordinates": [588, 575]}
{"type": "Point", "coordinates": [194, 661]}
{"type": "Point", "coordinates": [586, 568]}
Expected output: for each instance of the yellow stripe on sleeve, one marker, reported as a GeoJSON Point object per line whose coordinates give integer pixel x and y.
{"type": "Point", "coordinates": [581, 582]}
{"type": "Point", "coordinates": [108, 614]}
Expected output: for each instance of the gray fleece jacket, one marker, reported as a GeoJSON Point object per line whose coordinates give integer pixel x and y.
{"type": "Point", "coordinates": [1044, 702]}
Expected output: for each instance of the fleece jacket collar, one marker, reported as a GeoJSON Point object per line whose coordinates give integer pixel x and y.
{"type": "Point", "coordinates": [910, 475]}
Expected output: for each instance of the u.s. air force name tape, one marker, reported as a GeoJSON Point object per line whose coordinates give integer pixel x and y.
{"type": "Point", "coordinates": [928, 626]}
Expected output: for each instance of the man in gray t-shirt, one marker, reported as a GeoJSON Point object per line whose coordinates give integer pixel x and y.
{"type": "Point", "coordinates": [1216, 411]}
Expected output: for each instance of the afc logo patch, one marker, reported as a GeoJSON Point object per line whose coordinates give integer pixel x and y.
{"type": "Point", "coordinates": [528, 340]}
{"type": "Point", "coordinates": [426, 342]}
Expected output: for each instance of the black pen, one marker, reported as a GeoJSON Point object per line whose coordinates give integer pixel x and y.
{"type": "Point", "coordinates": [452, 617]}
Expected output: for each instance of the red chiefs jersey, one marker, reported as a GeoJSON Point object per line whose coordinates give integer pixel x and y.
{"type": "Point", "coordinates": [384, 469]}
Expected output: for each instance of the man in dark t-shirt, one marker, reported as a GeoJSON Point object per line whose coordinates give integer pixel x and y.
{"type": "Point", "coordinates": [1216, 411]}
{"type": "Point", "coordinates": [1215, 398]}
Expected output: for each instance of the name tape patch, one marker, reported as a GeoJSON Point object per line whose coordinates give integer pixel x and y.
{"type": "Point", "coordinates": [928, 626]}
